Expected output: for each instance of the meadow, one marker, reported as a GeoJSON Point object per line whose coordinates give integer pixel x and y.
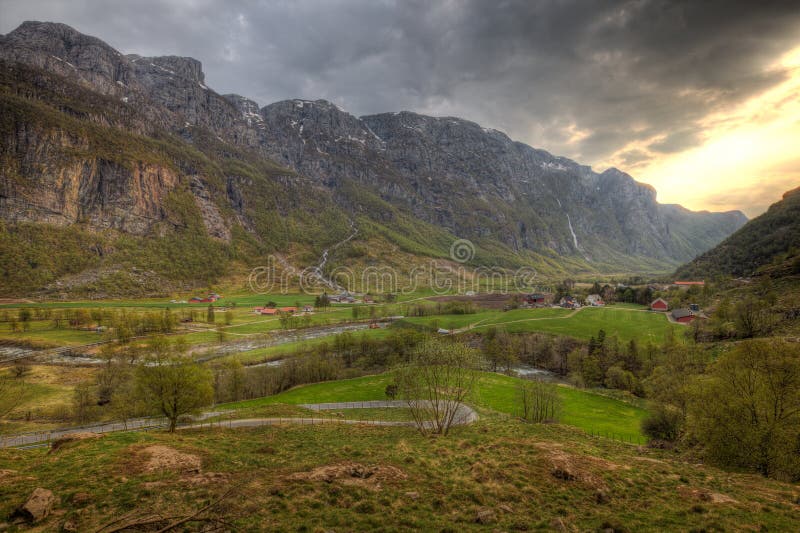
{"type": "Point", "coordinates": [625, 322]}
{"type": "Point", "coordinates": [591, 412]}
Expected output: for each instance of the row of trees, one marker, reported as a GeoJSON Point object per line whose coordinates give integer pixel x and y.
{"type": "Point", "coordinates": [741, 409]}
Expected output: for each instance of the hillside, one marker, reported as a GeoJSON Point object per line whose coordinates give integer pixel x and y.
{"type": "Point", "coordinates": [127, 174]}
{"type": "Point", "coordinates": [770, 241]}
{"type": "Point", "coordinates": [498, 473]}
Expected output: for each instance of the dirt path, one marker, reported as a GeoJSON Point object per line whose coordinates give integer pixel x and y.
{"type": "Point", "coordinates": [479, 323]}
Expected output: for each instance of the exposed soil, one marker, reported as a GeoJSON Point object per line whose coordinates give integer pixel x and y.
{"type": "Point", "coordinates": [72, 437]}
{"type": "Point", "coordinates": [580, 468]}
{"type": "Point", "coordinates": [372, 476]}
{"type": "Point", "coordinates": [159, 458]}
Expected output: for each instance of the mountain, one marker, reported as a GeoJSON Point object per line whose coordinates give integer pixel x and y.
{"type": "Point", "coordinates": [168, 183]}
{"type": "Point", "coordinates": [770, 241]}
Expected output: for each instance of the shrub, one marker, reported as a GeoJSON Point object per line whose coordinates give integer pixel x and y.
{"type": "Point", "coordinates": [664, 423]}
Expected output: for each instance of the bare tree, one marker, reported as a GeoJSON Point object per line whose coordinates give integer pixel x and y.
{"type": "Point", "coordinates": [437, 381]}
{"type": "Point", "coordinates": [539, 401]}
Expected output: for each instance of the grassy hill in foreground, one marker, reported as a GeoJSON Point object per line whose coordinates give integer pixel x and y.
{"type": "Point", "coordinates": [500, 472]}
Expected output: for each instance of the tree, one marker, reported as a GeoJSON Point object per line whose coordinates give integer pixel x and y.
{"type": "Point", "coordinates": [539, 401]}
{"type": "Point", "coordinates": [500, 350]}
{"type": "Point", "coordinates": [435, 383]}
{"type": "Point", "coordinates": [751, 317]}
{"type": "Point", "coordinates": [746, 413]}
{"type": "Point", "coordinates": [210, 314]}
{"type": "Point", "coordinates": [228, 317]}
{"type": "Point", "coordinates": [84, 402]}
{"type": "Point", "coordinates": [391, 391]}
{"type": "Point", "coordinates": [174, 387]}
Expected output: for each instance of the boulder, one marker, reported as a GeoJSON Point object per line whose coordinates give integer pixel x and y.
{"type": "Point", "coordinates": [37, 507]}
{"type": "Point", "coordinates": [485, 516]}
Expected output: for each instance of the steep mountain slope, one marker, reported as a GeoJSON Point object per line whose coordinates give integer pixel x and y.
{"type": "Point", "coordinates": [771, 240]}
{"type": "Point", "coordinates": [141, 149]}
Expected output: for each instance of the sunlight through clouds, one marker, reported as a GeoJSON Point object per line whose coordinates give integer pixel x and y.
{"type": "Point", "coordinates": [743, 147]}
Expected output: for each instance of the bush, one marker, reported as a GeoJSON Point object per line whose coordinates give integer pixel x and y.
{"type": "Point", "coordinates": [539, 401]}
{"type": "Point", "coordinates": [664, 423]}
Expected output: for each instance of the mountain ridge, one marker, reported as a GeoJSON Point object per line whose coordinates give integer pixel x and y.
{"type": "Point", "coordinates": [769, 243]}
{"type": "Point", "coordinates": [447, 176]}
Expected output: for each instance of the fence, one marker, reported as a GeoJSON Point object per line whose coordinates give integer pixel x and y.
{"type": "Point", "coordinates": [620, 437]}
{"type": "Point", "coordinates": [323, 413]}
{"type": "Point", "coordinates": [42, 438]}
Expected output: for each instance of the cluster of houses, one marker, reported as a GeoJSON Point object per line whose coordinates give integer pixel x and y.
{"type": "Point", "coordinates": [347, 297]}
{"type": "Point", "coordinates": [568, 302]}
{"type": "Point", "coordinates": [571, 302]}
{"type": "Point", "coordinates": [290, 310]}
{"type": "Point", "coordinates": [682, 315]}
{"type": "Point", "coordinates": [211, 298]}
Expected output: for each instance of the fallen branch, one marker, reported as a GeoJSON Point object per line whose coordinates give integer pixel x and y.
{"type": "Point", "coordinates": [194, 517]}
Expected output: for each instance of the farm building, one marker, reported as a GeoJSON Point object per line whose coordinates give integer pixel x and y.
{"type": "Point", "coordinates": [595, 300]}
{"type": "Point", "coordinates": [211, 298]}
{"type": "Point", "coordinates": [534, 299]}
{"type": "Point", "coordinates": [569, 302]}
{"type": "Point", "coordinates": [659, 304]}
{"type": "Point", "coordinates": [684, 316]}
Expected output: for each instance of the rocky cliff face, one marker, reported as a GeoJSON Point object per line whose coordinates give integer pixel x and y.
{"type": "Point", "coordinates": [444, 172]}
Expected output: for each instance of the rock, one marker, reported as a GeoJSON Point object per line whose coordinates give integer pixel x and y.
{"type": "Point", "coordinates": [412, 495]}
{"type": "Point", "coordinates": [485, 516]}
{"type": "Point", "coordinates": [505, 508]}
{"type": "Point", "coordinates": [563, 473]}
{"type": "Point", "coordinates": [37, 507]}
{"type": "Point", "coordinates": [601, 497]}
{"type": "Point", "coordinates": [70, 524]}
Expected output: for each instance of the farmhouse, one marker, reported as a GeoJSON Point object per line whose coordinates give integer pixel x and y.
{"type": "Point", "coordinates": [595, 300]}
{"type": "Point", "coordinates": [345, 297]}
{"type": "Point", "coordinates": [569, 302]}
{"type": "Point", "coordinates": [684, 316]}
{"type": "Point", "coordinates": [534, 299]}
{"type": "Point", "coordinates": [211, 298]}
{"type": "Point", "coordinates": [659, 304]}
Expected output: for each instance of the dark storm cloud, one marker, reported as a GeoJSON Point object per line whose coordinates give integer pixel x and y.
{"type": "Point", "coordinates": [615, 72]}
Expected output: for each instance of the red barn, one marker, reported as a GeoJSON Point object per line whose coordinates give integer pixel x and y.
{"type": "Point", "coordinates": [659, 304]}
{"type": "Point", "coordinates": [684, 316]}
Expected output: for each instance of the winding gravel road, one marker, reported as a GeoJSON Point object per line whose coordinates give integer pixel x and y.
{"type": "Point", "coordinates": [464, 415]}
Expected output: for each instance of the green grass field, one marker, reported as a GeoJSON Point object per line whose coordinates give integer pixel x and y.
{"type": "Point", "coordinates": [591, 412]}
{"type": "Point", "coordinates": [625, 322]}
{"type": "Point", "coordinates": [42, 333]}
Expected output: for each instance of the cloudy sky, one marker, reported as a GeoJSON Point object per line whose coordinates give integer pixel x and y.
{"type": "Point", "coordinates": [699, 98]}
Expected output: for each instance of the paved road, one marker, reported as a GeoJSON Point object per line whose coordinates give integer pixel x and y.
{"type": "Point", "coordinates": [136, 424]}
{"type": "Point", "coordinates": [464, 415]}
